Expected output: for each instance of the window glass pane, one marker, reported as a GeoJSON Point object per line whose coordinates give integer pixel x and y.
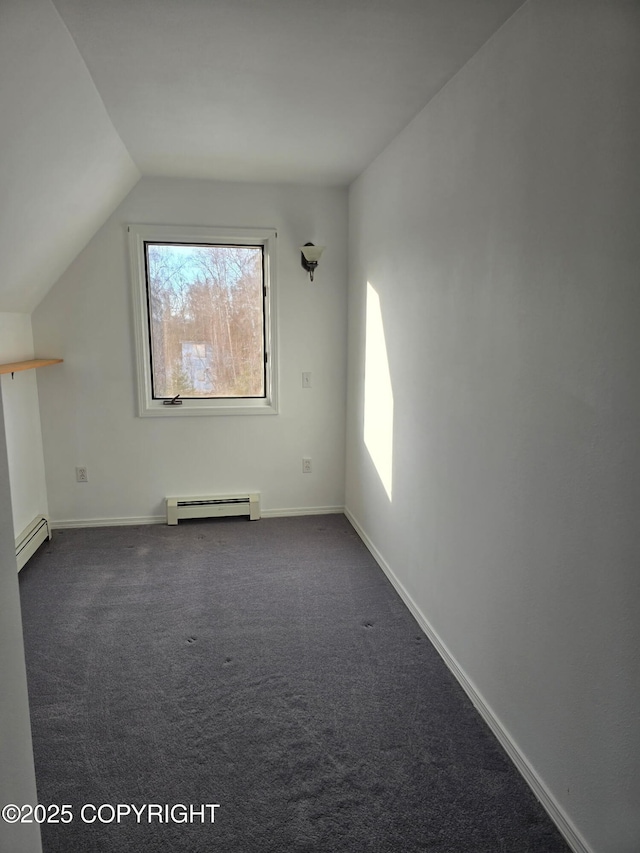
{"type": "Point", "coordinates": [206, 318]}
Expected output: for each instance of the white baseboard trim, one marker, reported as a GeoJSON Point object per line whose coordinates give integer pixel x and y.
{"type": "Point", "coordinates": [557, 814]}
{"type": "Point", "coordinates": [310, 510]}
{"type": "Point", "coordinates": [61, 524]}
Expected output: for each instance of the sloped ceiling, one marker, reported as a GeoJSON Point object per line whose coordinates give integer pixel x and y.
{"type": "Point", "coordinates": [63, 167]}
{"type": "Point", "coordinates": [272, 90]}
{"type": "Point", "coordinates": [257, 90]}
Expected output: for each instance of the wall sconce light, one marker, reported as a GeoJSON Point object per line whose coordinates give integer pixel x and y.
{"type": "Point", "coordinates": [309, 257]}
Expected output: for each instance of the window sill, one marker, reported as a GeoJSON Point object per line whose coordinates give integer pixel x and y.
{"type": "Point", "coordinates": [205, 408]}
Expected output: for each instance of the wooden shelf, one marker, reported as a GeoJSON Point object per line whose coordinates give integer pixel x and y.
{"type": "Point", "coordinates": [15, 366]}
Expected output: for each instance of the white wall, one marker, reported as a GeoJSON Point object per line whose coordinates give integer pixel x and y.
{"type": "Point", "coordinates": [88, 405]}
{"type": "Point", "coordinates": [22, 423]}
{"type": "Point", "coordinates": [499, 232]}
{"type": "Point", "coordinates": [17, 777]}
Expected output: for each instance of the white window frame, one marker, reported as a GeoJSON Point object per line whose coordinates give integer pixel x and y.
{"type": "Point", "coordinates": [139, 236]}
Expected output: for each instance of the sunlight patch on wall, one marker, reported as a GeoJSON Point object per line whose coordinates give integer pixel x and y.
{"type": "Point", "coordinates": [378, 394]}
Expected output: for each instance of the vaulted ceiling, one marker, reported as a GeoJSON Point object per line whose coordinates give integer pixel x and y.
{"type": "Point", "coordinates": [92, 95]}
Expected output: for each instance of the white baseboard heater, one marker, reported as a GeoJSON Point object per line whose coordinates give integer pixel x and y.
{"type": "Point", "coordinates": [213, 506]}
{"type": "Point", "coordinates": [31, 539]}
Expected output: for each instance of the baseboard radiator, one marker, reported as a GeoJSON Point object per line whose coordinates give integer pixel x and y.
{"type": "Point", "coordinates": [31, 539]}
{"type": "Point", "coordinates": [213, 506]}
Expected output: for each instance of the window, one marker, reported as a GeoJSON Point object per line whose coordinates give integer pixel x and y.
{"type": "Point", "coordinates": [204, 306]}
{"type": "Point", "coordinates": [206, 320]}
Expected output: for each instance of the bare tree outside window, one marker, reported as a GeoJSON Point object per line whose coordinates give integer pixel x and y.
{"type": "Point", "coordinates": [206, 319]}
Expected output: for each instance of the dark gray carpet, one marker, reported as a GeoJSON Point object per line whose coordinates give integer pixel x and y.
{"type": "Point", "coordinates": [266, 666]}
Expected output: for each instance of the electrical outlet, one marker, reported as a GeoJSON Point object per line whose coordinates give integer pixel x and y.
{"type": "Point", "coordinates": [306, 380]}
{"type": "Point", "coordinates": [82, 475]}
{"type": "Point", "coordinates": [306, 465]}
